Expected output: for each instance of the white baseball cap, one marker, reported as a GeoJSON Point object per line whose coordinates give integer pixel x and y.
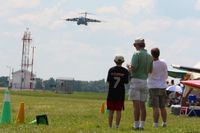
{"type": "Point", "coordinates": [139, 41]}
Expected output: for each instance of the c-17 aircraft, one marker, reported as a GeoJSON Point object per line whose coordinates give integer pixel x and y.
{"type": "Point", "coordinates": [83, 20]}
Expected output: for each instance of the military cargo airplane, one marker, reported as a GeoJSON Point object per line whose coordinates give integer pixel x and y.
{"type": "Point", "coordinates": [83, 20]}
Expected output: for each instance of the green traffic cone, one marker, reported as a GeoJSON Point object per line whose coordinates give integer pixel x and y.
{"type": "Point", "coordinates": [33, 122]}
{"type": "Point", "coordinates": [42, 119]}
{"type": "Point", "coordinates": [6, 113]}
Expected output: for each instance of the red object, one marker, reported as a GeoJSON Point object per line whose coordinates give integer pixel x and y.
{"type": "Point", "coordinates": [184, 110]}
{"type": "Point", "coordinates": [192, 83]}
{"type": "Point", "coordinates": [115, 105]}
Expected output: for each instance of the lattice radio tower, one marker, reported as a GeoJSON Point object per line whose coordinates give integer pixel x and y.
{"type": "Point", "coordinates": [25, 62]}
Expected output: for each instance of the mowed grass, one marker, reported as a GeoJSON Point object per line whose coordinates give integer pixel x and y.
{"type": "Point", "coordinates": [80, 113]}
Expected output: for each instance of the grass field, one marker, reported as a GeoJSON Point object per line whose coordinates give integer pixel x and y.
{"type": "Point", "coordinates": [80, 113]}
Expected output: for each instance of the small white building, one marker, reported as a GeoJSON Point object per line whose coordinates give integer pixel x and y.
{"type": "Point", "coordinates": [65, 85]}
{"type": "Point", "coordinates": [22, 79]}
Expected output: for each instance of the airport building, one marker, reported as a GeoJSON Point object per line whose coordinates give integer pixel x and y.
{"type": "Point", "coordinates": [23, 80]}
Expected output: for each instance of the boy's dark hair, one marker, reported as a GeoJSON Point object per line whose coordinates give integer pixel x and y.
{"type": "Point", "coordinates": [155, 52]}
{"type": "Point", "coordinates": [118, 63]}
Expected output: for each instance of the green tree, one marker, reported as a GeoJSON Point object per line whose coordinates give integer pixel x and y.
{"type": "Point", "coordinates": [4, 81]}
{"type": "Point", "coordinates": [50, 84]}
{"type": "Point", "coordinates": [39, 83]}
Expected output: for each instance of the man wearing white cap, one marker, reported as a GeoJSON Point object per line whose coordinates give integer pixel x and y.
{"type": "Point", "coordinates": [117, 77]}
{"type": "Point", "coordinates": [140, 67]}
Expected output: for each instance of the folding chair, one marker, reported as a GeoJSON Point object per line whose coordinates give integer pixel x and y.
{"type": "Point", "coordinates": [184, 106]}
{"type": "Point", "coordinates": [192, 99]}
{"type": "Point", "coordinates": [183, 110]}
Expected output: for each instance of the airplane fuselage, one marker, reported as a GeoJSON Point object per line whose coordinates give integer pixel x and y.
{"type": "Point", "coordinates": [82, 21]}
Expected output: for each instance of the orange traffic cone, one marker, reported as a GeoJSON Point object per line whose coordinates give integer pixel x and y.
{"type": "Point", "coordinates": [102, 109]}
{"type": "Point", "coordinates": [21, 114]}
{"type": "Point", "coordinates": [6, 111]}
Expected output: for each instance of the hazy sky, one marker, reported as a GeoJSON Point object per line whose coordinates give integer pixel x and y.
{"type": "Point", "coordinates": [64, 49]}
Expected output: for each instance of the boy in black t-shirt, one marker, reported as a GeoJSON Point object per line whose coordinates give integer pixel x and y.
{"type": "Point", "coordinates": [117, 77]}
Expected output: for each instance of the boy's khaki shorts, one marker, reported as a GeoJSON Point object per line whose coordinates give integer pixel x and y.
{"type": "Point", "coordinates": [138, 90]}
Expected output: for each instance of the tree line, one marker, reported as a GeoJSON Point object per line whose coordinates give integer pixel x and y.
{"type": "Point", "coordinates": [50, 84]}
{"type": "Point", "coordinates": [84, 86]}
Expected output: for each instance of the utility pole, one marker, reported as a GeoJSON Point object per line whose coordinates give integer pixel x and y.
{"type": "Point", "coordinates": [32, 77]}
{"type": "Point", "coordinates": [9, 76]}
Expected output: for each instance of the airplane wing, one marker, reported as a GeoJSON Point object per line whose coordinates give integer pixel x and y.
{"type": "Point", "coordinates": [190, 69]}
{"type": "Point", "coordinates": [71, 19]}
{"type": "Point", "coordinates": [192, 83]}
{"type": "Point", "coordinates": [92, 20]}
{"type": "Point", "coordinates": [176, 74]}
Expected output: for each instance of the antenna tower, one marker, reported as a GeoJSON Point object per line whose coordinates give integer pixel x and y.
{"type": "Point", "coordinates": [25, 64]}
